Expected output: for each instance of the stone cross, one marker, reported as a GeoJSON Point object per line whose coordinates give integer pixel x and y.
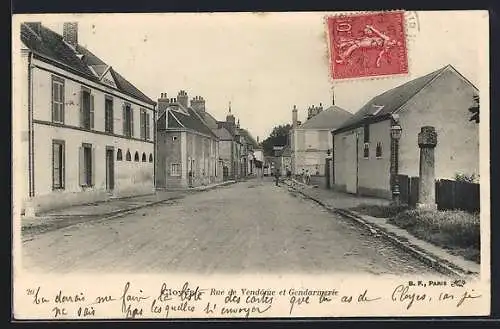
{"type": "Point", "coordinates": [427, 141]}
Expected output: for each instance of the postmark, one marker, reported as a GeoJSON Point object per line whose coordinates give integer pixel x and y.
{"type": "Point", "coordinates": [367, 45]}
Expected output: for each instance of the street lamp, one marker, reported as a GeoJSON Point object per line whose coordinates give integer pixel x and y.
{"type": "Point", "coordinates": [395, 135]}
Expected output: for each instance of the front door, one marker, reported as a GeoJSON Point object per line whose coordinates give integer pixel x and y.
{"type": "Point", "coordinates": [110, 169]}
{"type": "Point", "coordinates": [351, 163]}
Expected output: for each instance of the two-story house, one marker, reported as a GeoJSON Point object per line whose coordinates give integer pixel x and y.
{"type": "Point", "coordinates": [187, 149]}
{"type": "Point", "coordinates": [310, 141]}
{"type": "Point", "coordinates": [87, 133]}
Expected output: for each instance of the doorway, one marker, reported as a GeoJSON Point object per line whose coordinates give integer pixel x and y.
{"type": "Point", "coordinates": [110, 168]}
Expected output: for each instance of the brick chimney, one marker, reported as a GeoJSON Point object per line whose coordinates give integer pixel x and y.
{"type": "Point", "coordinates": [163, 102]}
{"type": "Point", "coordinates": [182, 98]}
{"type": "Point", "coordinates": [70, 33]}
{"type": "Point", "coordinates": [198, 103]}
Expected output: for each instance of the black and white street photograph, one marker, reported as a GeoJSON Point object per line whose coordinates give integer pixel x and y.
{"type": "Point", "coordinates": [251, 145]}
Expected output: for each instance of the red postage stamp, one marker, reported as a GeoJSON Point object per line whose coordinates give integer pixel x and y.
{"type": "Point", "coordinates": [365, 45]}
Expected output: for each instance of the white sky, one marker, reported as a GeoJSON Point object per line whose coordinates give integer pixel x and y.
{"type": "Point", "coordinates": [262, 63]}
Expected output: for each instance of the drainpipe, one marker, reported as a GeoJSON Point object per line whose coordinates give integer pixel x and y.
{"type": "Point", "coordinates": [31, 182]}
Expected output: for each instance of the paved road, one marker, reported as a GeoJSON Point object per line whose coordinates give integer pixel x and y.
{"type": "Point", "coordinates": [247, 227]}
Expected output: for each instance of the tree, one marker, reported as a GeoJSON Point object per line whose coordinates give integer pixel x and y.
{"type": "Point", "coordinates": [278, 137]}
{"type": "Point", "coordinates": [474, 109]}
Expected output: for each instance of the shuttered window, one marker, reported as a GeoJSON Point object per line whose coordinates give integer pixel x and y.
{"type": "Point", "coordinates": [128, 121]}
{"type": "Point", "coordinates": [86, 109]}
{"type": "Point", "coordinates": [58, 169]}
{"type": "Point", "coordinates": [108, 114]}
{"type": "Point", "coordinates": [87, 165]}
{"type": "Point", "coordinates": [145, 125]}
{"type": "Point", "coordinates": [57, 99]}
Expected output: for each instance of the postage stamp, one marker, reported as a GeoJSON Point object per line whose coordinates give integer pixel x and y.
{"type": "Point", "coordinates": [366, 45]}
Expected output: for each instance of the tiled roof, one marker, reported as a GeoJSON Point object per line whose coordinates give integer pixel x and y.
{"type": "Point", "coordinates": [223, 134]}
{"type": "Point", "coordinates": [209, 120]}
{"type": "Point", "coordinates": [50, 45]}
{"type": "Point", "coordinates": [331, 118]}
{"type": "Point", "coordinates": [186, 118]}
{"type": "Point", "coordinates": [385, 104]}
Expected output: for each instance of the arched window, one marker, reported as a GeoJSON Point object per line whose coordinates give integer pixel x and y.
{"type": "Point", "coordinates": [119, 156]}
{"type": "Point", "coordinates": [366, 150]}
{"type": "Point", "coordinates": [136, 156]}
{"type": "Point", "coordinates": [150, 157]}
{"type": "Point", "coordinates": [128, 156]}
{"type": "Point", "coordinates": [378, 150]}
{"type": "Point", "coordinates": [143, 157]}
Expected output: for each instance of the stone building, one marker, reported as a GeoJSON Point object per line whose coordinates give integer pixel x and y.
{"type": "Point", "coordinates": [86, 131]}
{"type": "Point", "coordinates": [311, 140]}
{"type": "Point", "coordinates": [364, 151]}
{"type": "Point", "coordinates": [187, 149]}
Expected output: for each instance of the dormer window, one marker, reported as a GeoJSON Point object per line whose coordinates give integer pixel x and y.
{"type": "Point", "coordinates": [377, 108]}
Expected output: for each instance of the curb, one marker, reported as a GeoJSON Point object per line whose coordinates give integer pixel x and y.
{"type": "Point", "coordinates": [441, 265]}
{"type": "Point", "coordinates": [118, 213]}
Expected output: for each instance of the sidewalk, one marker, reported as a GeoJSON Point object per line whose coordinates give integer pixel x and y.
{"type": "Point", "coordinates": [340, 203]}
{"type": "Point", "coordinates": [114, 207]}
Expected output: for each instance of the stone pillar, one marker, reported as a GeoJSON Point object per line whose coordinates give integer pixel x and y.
{"type": "Point", "coordinates": [427, 141]}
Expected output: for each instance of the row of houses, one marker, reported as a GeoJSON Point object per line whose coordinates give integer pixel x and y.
{"type": "Point", "coordinates": [357, 153]}
{"type": "Point", "coordinates": [88, 134]}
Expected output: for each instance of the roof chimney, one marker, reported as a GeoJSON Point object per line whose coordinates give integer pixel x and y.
{"type": "Point", "coordinates": [163, 102]}
{"type": "Point", "coordinates": [182, 98]}
{"type": "Point", "coordinates": [70, 33]}
{"type": "Point", "coordinates": [294, 117]}
{"type": "Point", "coordinates": [198, 103]}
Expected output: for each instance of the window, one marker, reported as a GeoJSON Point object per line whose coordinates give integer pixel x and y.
{"type": "Point", "coordinates": [58, 165]}
{"type": "Point", "coordinates": [119, 156]}
{"type": "Point", "coordinates": [145, 125]}
{"type": "Point", "coordinates": [366, 150]}
{"type": "Point", "coordinates": [150, 157]}
{"type": "Point", "coordinates": [87, 165]}
{"type": "Point", "coordinates": [143, 157]}
{"type": "Point", "coordinates": [128, 121]}
{"type": "Point", "coordinates": [366, 133]}
{"type": "Point", "coordinates": [175, 169]}
{"type": "Point", "coordinates": [86, 109]}
{"type": "Point", "coordinates": [108, 114]}
{"type": "Point", "coordinates": [378, 150]}
{"type": "Point", "coordinates": [174, 138]}
{"type": "Point", "coordinates": [136, 157]}
{"type": "Point", "coordinates": [57, 99]}
{"type": "Point", "coordinates": [128, 156]}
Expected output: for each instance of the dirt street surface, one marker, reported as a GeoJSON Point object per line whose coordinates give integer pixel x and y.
{"type": "Point", "coordinates": [248, 227]}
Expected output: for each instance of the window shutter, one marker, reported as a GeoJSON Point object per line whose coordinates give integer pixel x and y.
{"type": "Point", "coordinates": [61, 90]}
{"type": "Point", "coordinates": [124, 119]}
{"type": "Point", "coordinates": [148, 125]}
{"type": "Point", "coordinates": [93, 169]}
{"type": "Point", "coordinates": [54, 86]}
{"type": "Point", "coordinates": [91, 112]}
{"type": "Point", "coordinates": [82, 110]}
{"type": "Point", "coordinates": [143, 133]}
{"type": "Point", "coordinates": [81, 166]}
{"type": "Point", "coordinates": [63, 165]}
{"type": "Point", "coordinates": [131, 122]}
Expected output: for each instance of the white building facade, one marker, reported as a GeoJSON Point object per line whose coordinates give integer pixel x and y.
{"type": "Point", "coordinates": [87, 133]}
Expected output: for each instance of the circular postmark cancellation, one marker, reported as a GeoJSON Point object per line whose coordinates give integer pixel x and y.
{"type": "Point", "coordinates": [370, 44]}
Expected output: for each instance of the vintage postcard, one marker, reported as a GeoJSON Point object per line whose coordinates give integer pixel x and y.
{"type": "Point", "coordinates": [250, 165]}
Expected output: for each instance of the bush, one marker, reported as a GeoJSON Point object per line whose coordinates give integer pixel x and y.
{"type": "Point", "coordinates": [459, 177]}
{"type": "Point", "coordinates": [380, 211]}
{"type": "Point", "coordinates": [455, 230]}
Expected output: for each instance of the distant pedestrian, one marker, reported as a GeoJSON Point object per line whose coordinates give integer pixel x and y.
{"type": "Point", "coordinates": [308, 177]}
{"type": "Point", "coordinates": [277, 177]}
